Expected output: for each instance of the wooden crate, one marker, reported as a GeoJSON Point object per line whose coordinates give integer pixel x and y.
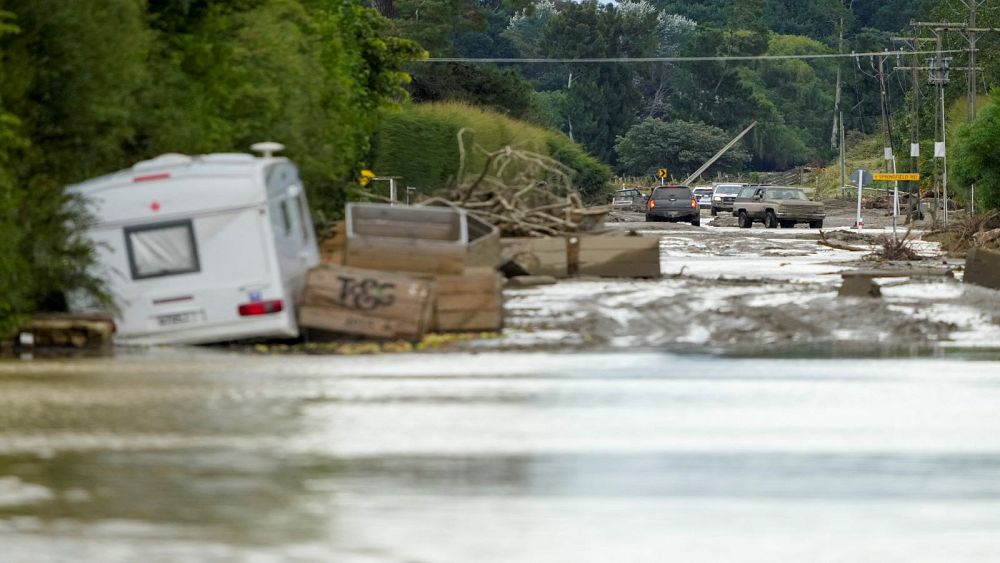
{"type": "Point", "coordinates": [367, 302]}
{"type": "Point", "coordinates": [347, 321]}
{"type": "Point", "coordinates": [484, 244]}
{"type": "Point", "coordinates": [406, 239]}
{"type": "Point", "coordinates": [404, 255]}
{"type": "Point", "coordinates": [537, 256]}
{"type": "Point", "coordinates": [472, 301]}
{"type": "Point", "coordinates": [331, 249]}
{"type": "Point", "coordinates": [616, 256]}
{"type": "Point", "coordinates": [587, 255]}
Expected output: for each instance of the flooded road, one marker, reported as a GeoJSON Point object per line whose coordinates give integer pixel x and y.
{"type": "Point", "coordinates": [208, 456]}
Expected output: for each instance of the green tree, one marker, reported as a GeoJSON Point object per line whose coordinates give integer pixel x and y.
{"type": "Point", "coordinates": [602, 99]}
{"type": "Point", "coordinates": [680, 146]}
{"type": "Point", "coordinates": [97, 85]}
{"type": "Point", "coordinates": [72, 77]}
{"type": "Point", "coordinates": [14, 270]}
{"type": "Point", "coordinates": [974, 157]}
{"type": "Point", "coordinates": [501, 90]}
{"type": "Point", "coordinates": [312, 74]}
{"type": "Point", "coordinates": [420, 143]}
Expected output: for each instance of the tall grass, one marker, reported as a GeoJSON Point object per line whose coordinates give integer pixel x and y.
{"type": "Point", "coordinates": [864, 152]}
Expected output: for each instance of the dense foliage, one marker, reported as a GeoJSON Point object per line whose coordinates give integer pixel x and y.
{"type": "Point", "coordinates": [975, 154]}
{"type": "Point", "coordinates": [792, 100]}
{"type": "Point", "coordinates": [93, 86]}
{"type": "Point", "coordinates": [13, 267]}
{"type": "Point", "coordinates": [649, 145]}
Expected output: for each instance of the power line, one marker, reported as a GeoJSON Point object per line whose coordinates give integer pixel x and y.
{"type": "Point", "coordinates": [677, 59]}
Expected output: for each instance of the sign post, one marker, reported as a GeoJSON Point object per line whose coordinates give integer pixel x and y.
{"type": "Point", "coordinates": [862, 178]}
{"type": "Point", "coordinates": [662, 174]}
{"type": "Point", "coordinates": [897, 178]}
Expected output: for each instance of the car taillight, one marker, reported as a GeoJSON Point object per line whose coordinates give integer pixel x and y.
{"type": "Point", "coordinates": [652, 204]}
{"type": "Point", "coordinates": [694, 203]}
{"type": "Point", "coordinates": [261, 308]}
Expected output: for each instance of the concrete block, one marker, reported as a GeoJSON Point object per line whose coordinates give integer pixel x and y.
{"type": "Point", "coordinates": [982, 267]}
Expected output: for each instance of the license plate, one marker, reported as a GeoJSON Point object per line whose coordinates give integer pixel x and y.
{"type": "Point", "coordinates": [178, 318]}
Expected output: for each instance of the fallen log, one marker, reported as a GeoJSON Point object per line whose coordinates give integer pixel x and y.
{"type": "Point", "coordinates": [838, 245]}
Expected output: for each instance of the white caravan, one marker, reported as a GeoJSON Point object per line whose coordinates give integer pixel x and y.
{"type": "Point", "coordinates": [200, 249]}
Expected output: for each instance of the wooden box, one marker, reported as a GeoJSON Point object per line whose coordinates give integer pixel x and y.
{"type": "Point", "coordinates": [367, 302]}
{"type": "Point", "coordinates": [484, 244]}
{"type": "Point", "coordinates": [537, 256]}
{"type": "Point", "coordinates": [616, 256]}
{"type": "Point", "coordinates": [406, 239]}
{"type": "Point", "coordinates": [472, 301]}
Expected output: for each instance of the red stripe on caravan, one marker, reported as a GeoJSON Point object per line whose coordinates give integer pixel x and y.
{"type": "Point", "coordinates": [151, 177]}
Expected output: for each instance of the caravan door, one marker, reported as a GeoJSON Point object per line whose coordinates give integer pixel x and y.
{"type": "Point", "coordinates": [294, 238]}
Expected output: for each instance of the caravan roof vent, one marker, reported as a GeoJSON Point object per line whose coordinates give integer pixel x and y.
{"type": "Point", "coordinates": [169, 159]}
{"type": "Point", "coordinates": [267, 148]}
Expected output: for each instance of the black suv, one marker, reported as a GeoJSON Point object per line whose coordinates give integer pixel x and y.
{"type": "Point", "coordinates": [673, 203]}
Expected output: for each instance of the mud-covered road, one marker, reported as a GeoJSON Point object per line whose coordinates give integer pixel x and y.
{"type": "Point", "coordinates": [736, 290]}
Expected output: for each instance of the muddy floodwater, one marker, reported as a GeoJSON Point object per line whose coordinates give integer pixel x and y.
{"type": "Point", "coordinates": [499, 457]}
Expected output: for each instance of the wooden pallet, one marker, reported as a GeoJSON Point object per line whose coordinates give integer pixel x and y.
{"type": "Point", "coordinates": [586, 255]}
{"type": "Point", "coordinates": [66, 330]}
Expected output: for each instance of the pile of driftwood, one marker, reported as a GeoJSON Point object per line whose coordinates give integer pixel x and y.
{"type": "Point", "coordinates": [522, 193]}
{"type": "Point", "coordinates": [981, 230]}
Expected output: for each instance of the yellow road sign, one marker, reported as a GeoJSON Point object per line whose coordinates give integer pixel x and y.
{"type": "Point", "coordinates": [897, 177]}
{"type": "Point", "coordinates": [366, 176]}
{"type": "Point", "coordinates": [662, 173]}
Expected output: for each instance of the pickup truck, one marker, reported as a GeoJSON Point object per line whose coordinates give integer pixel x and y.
{"type": "Point", "coordinates": [777, 206]}
{"type": "Point", "coordinates": [629, 199]}
{"type": "Point", "coordinates": [673, 203]}
{"type": "Point", "coordinates": [723, 196]}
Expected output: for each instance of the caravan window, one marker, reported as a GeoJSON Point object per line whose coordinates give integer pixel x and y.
{"type": "Point", "coordinates": [303, 213]}
{"type": "Point", "coordinates": [163, 249]}
{"type": "Point", "coordinates": [286, 218]}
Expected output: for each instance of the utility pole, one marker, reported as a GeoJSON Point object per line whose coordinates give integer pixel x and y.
{"type": "Point", "coordinates": [915, 210]}
{"type": "Point", "coordinates": [880, 74]}
{"type": "Point", "coordinates": [970, 32]}
{"type": "Point", "coordinates": [843, 157]}
{"type": "Point", "coordinates": [939, 76]}
{"type": "Point", "coordinates": [837, 114]}
{"type": "Point", "coordinates": [970, 35]}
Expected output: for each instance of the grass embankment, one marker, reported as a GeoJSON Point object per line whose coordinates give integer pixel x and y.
{"type": "Point", "coordinates": [420, 144]}
{"type": "Point", "coordinates": [866, 151]}
{"type": "Point", "coordinates": [863, 152]}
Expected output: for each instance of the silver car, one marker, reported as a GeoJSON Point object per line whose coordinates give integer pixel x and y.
{"type": "Point", "coordinates": [704, 196]}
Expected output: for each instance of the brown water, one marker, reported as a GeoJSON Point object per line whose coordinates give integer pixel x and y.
{"type": "Point", "coordinates": [204, 456]}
